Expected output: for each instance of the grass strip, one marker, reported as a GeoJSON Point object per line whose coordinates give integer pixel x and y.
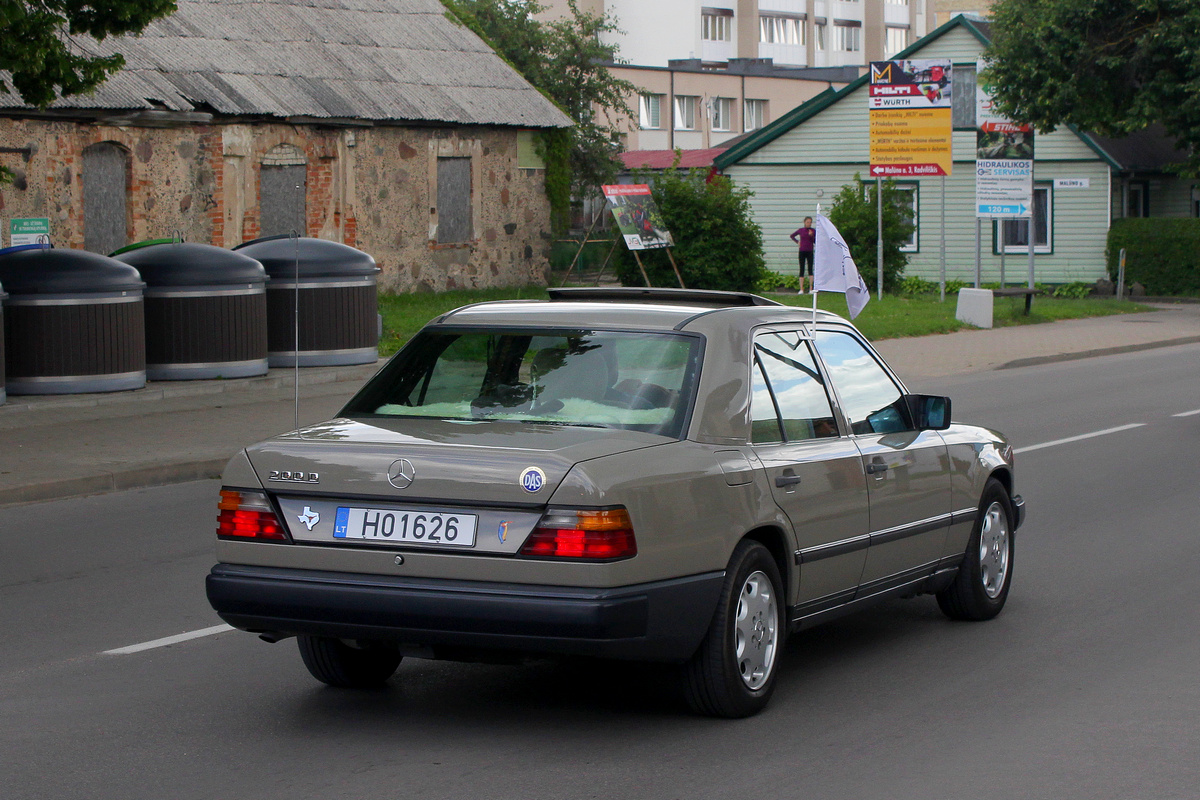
{"type": "Point", "coordinates": [892, 317]}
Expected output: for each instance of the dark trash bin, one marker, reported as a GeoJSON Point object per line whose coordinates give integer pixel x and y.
{"type": "Point", "coordinates": [206, 310]}
{"type": "Point", "coordinates": [73, 322]}
{"type": "Point", "coordinates": [338, 304]}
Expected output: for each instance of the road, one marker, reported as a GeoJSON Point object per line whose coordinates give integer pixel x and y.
{"type": "Point", "coordinates": [1085, 687]}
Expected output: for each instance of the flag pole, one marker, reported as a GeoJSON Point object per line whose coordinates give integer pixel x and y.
{"type": "Point", "coordinates": [814, 275]}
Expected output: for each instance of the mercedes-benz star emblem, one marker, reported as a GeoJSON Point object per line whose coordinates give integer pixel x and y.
{"type": "Point", "coordinates": [401, 473]}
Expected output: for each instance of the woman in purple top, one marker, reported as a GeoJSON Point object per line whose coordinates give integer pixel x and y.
{"type": "Point", "coordinates": [806, 237]}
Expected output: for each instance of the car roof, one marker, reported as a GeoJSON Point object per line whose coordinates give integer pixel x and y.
{"type": "Point", "coordinates": [633, 308]}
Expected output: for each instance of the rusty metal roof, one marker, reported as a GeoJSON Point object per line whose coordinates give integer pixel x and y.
{"type": "Point", "coordinates": [377, 60]}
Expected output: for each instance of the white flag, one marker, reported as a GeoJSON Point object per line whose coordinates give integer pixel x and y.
{"type": "Point", "coordinates": [833, 268]}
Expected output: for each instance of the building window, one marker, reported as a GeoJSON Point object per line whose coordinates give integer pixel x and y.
{"type": "Point", "coordinates": [722, 114]}
{"type": "Point", "coordinates": [282, 186]}
{"type": "Point", "coordinates": [105, 191]}
{"type": "Point", "coordinates": [716, 24]}
{"type": "Point", "coordinates": [1016, 231]}
{"type": "Point", "coordinates": [685, 112]}
{"type": "Point", "coordinates": [454, 200]}
{"type": "Point", "coordinates": [1137, 203]}
{"type": "Point", "coordinates": [896, 2]}
{"type": "Point", "coordinates": [896, 39]}
{"type": "Point", "coordinates": [780, 30]}
{"type": "Point", "coordinates": [962, 98]}
{"type": "Point", "coordinates": [906, 197]}
{"type": "Point", "coordinates": [819, 36]}
{"type": "Point", "coordinates": [650, 111]}
{"type": "Point", "coordinates": [754, 114]}
{"type": "Point", "coordinates": [849, 38]}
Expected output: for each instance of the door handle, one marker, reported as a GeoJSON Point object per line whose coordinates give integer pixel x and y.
{"type": "Point", "coordinates": [786, 480]}
{"type": "Point", "coordinates": [877, 468]}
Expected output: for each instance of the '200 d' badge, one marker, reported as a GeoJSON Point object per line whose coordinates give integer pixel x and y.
{"type": "Point", "coordinates": [533, 479]}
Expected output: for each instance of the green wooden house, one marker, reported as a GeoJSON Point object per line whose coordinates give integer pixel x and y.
{"type": "Point", "coordinates": [1081, 182]}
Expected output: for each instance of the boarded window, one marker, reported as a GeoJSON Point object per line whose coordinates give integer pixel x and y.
{"type": "Point", "coordinates": [281, 198]}
{"type": "Point", "coordinates": [105, 189]}
{"type": "Point", "coordinates": [454, 200]}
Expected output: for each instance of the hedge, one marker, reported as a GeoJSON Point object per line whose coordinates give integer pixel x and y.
{"type": "Point", "coordinates": [1161, 254]}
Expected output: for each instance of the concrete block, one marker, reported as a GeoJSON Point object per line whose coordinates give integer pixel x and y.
{"type": "Point", "coordinates": [975, 307]}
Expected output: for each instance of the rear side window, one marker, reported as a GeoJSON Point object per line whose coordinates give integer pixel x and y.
{"type": "Point", "coordinates": [797, 390]}
{"type": "Point", "coordinates": [587, 378]}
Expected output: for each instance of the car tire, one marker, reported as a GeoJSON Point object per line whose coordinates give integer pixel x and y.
{"type": "Point", "coordinates": [980, 589]}
{"type": "Point", "coordinates": [336, 663]}
{"type": "Point", "coordinates": [733, 673]}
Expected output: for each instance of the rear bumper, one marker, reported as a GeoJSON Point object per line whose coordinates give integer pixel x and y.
{"type": "Point", "coordinates": [661, 621]}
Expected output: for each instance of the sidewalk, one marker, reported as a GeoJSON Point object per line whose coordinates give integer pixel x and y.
{"type": "Point", "coordinates": [71, 445]}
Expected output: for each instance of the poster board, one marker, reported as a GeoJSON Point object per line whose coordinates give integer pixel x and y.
{"type": "Point", "coordinates": [911, 117]}
{"type": "Point", "coordinates": [1003, 161]}
{"type": "Point", "coordinates": [638, 217]}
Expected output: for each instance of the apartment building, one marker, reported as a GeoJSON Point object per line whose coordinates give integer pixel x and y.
{"type": "Point", "coordinates": [711, 70]}
{"type": "Point", "coordinates": [793, 33]}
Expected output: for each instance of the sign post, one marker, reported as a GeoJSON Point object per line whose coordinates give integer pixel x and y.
{"type": "Point", "coordinates": [1003, 170]}
{"type": "Point", "coordinates": [910, 124]}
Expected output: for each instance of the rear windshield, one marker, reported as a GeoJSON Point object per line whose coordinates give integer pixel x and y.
{"type": "Point", "coordinates": [634, 381]}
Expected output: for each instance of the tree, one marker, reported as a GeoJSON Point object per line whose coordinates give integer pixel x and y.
{"type": "Point", "coordinates": [1108, 66]}
{"type": "Point", "coordinates": [40, 55]}
{"type": "Point", "coordinates": [717, 243]}
{"type": "Point", "coordinates": [856, 216]}
{"type": "Point", "coordinates": [565, 60]}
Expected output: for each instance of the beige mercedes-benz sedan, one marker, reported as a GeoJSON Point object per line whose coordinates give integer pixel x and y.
{"type": "Point", "coordinates": [648, 474]}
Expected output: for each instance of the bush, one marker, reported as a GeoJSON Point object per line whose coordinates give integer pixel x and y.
{"type": "Point", "coordinates": [717, 243]}
{"type": "Point", "coordinates": [1161, 254]}
{"type": "Point", "coordinates": [1074, 291]}
{"type": "Point", "coordinates": [912, 285]}
{"type": "Point", "coordinates": [772, 281]}
{"type": "Point", "coordinates": [855, 215]}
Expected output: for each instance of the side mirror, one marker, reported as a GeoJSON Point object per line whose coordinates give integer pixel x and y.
{"type": "Point", "coordinates": [929, 412]}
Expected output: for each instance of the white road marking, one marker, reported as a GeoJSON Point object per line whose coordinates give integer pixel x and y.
{"type": "Point", "coordinates": [1080, 437]}
{"type": "Point", "coordinates": [1187, 413]}
{"type": "Point", "coordinates": [166, 640]}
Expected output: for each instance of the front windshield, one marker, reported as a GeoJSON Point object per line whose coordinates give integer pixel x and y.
{"type": "Point", "coordinates": [634, 381]}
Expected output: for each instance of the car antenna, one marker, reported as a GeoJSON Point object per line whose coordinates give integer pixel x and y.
{"type": "Point", "coordinates": [295, 237]}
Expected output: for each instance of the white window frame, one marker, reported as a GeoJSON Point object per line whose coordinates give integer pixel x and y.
{"type": "Point", "coordinates": [754, 114]}
{"type": "Point", "coordinates": [820, 36]}
{"type": "Point", "coordinates": [716, 25]}
{"type": "Point", "coordinates": [849, 38]}
{"type": "Point", "coordinates": [722, 113]}
{"type": "Point", "coordinates": [890, 47]}
{"type": "Point", "coordinates": [1016, 230]}
{"type": "Point", "coordinates": [684, 117]}
{"type": "Point", "coordinates": [650, 111]}
{"type": "Point", "coordinates": [781, 29]}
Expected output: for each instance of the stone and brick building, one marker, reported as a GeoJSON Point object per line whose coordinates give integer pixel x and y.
{"type": "Point", "coordinates": [385, 126]}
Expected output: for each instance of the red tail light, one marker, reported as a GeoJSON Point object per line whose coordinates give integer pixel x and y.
{"type": "Point", "coordinates": [248, 515]}
{"type": "Point", "coordinates": [583, 535]}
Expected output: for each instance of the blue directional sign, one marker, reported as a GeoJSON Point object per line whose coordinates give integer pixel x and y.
{"type": "Point", "coordinates": [993, 210]}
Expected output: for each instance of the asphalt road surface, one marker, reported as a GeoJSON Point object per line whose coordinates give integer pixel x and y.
{"type": "Point", "coordinates": [1085, 687]}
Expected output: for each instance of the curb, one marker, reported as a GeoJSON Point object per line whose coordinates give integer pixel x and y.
{"type": "Point", "coordinates": [119, 481]}
{"type": "Point", "coordinates": [167, 390]}
{"type": "Point", "coordinates": [1103, 351]}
